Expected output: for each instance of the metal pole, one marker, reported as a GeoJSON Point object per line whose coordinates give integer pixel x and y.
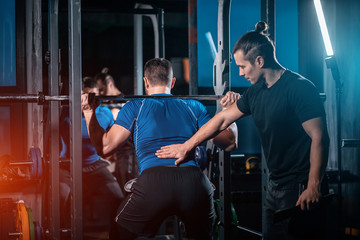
{"type": "Point", "coordinates": [161, 35]}
{"type": "Point", "coordinates": [332, 64]}
{"type": "Point", "coordinates": [221, 84]}
{"type": "Point", "coordinates": [193, 56]}
{"type": "Point", "coordinates": [138, 55]}
{"type": "Point", "coordinates": [53, 120]}
{"type": "Point", "coordinates": [268, 16]}
{"type": "Point", "coordinates": [75, 77]}
{"type": "Point", "coordinates": [34, 69]}
{"type": "Point", "coordinates": [339, 155]}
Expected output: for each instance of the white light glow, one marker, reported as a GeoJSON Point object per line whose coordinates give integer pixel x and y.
{"type": "Point", "coordinates": [324, 31]}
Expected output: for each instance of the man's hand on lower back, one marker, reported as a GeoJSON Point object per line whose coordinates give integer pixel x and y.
{"type": "Point", "coordinates": [178, 151]}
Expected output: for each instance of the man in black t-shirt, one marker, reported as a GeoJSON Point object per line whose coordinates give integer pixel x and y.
{"type": "Point", "coordinates": [290, 119]}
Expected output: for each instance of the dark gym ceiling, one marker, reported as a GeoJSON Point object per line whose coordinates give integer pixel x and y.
{"type": "Point", "coordinates": [118, 5]}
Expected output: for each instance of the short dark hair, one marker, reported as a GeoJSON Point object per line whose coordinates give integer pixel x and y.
{"type": "Point", "coordinates": [256, 43]}
{"type": "Point", "coordinates": [89, 82]}
{"type": "Point", "coordinates": [158, 71]}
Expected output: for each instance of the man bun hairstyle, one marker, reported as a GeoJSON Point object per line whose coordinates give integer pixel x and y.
{"type": "Point", "coordinates": [256, 43]}
{"type": "Point", "coordinates": [104, 76]}
{"type": "Point", "coordinates": [261, 27]}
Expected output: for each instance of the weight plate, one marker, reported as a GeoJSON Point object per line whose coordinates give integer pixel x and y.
{"type": "Point", "coordinates": [234, 218]}
{"type": "Point", "coordinates": [22, 221]}
{"type": "Point", "coordinates": [201, 157]}
{"type": "Point", "coordinates": [233, 214]}
{"type": "Point", "coordinates": [39, 163]}
{"type": "Point", "coordinates": [37, 230]}
{"type": "Point", "coordinates": [31, 224]}
{"type": "Point", "coordinates": [32, 158]}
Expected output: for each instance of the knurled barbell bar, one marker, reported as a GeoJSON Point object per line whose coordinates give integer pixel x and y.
{"type": "Point", "coordinates": [40, 98]}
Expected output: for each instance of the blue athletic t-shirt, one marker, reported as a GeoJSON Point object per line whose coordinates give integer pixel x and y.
{"type": "Point", "coordinates": [89, 154]}
{"type": "Point", "coordinates": [160, 122]}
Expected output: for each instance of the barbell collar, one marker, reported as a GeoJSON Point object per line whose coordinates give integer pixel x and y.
{"type": "Point", "coordinates": [15, 235]}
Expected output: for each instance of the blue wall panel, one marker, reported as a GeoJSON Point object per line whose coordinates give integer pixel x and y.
{"type": "Point", "coordinates": [244, 16]}
{"type": "Point", "coordinates": [286, 33]}
{"type": "Point", "coordinates": [7, 43]}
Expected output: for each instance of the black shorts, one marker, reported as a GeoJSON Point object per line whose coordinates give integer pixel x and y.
{"type": "Point", "coordinates": [160, 192]}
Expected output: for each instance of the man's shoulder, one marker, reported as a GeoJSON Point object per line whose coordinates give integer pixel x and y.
{"type": "Point", "coordinates": [194, 104]}
{"type": "Point", "coordinates": [102, 109]}
{"type": "Point", "coordinates": [132, 104]}
{"type": "Point", "coordinates": [294, 78]}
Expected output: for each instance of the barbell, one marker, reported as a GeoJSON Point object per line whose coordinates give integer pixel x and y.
{"type": "Point", "coordinates": [35, 162]}
{"type": "Point", "coordinates": [40, 98]}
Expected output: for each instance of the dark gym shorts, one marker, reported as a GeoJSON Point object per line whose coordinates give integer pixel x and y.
{"type": "Point", "coordinates": [164, 191]}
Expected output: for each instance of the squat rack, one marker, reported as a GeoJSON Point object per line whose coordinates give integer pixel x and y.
{"type": "Point", "coordinates": [222, 83]}
{"type": "Point", "coordinates": [75, 73]}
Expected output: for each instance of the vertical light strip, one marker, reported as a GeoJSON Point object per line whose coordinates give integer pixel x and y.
{"type": "Point", "coordinates": [324, 30]}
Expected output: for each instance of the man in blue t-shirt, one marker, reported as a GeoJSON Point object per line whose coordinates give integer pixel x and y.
{"type": "Point", "coordinates": [98, 181]}
{"type": "Point", "coordinates": [162, 188]}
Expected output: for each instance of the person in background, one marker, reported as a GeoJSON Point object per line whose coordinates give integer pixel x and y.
{"type": "Point", "coordinates": [98, 181]}
{"type": "Point", "coordinates": [124, 162]}
{"type": "Point", "coordinates": [107, 87]}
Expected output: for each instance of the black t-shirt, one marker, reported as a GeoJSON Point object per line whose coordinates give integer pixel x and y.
{"type": "Point", "coordinates": [279, 112]}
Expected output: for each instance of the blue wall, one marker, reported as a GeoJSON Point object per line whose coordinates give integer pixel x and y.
{"type": "Point", "coordinates": [244, 15]}
{"type": "Point", "coordinates": [7, 43]}
{"type": "Point", "coordinates": [286, 33]}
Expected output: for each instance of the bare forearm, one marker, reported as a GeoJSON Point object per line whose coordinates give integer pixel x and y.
{"type": "Point", "coordinates": [318, 161]}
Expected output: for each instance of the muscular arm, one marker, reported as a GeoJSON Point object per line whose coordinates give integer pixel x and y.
{"type": "Point", "coordinates": [316, 129]}
{"type": "Point", "coordinates": [104, 142]}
